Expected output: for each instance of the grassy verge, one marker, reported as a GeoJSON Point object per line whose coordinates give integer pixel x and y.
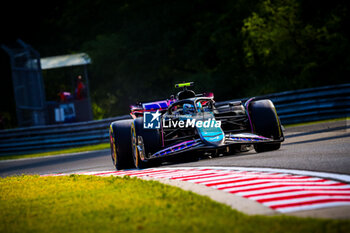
{"type": "Point", "coordinates": [114, 204]}
{"type": "Point", "coordinates": [57, 152]}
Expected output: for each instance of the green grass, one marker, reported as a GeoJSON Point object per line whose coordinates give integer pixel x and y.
{"type": "Point", "coordinates": [113, 204]}
{"type": "Point", "coordinates": [58, 152]}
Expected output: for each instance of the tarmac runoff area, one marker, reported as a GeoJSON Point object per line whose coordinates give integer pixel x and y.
{"type": "Point", "coordinates": [256, 191]}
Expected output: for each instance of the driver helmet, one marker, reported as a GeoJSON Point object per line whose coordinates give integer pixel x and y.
{"type": "Point", "coordinates": [199, 106]}
{"type": "Point", "coordinates": [188, 108]}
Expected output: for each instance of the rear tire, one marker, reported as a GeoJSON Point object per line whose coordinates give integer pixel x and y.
{"type": "Point", "coordinates": [265, 123]}
{"type": "Point", "coordinates": [120, 142]}
{"type": "Point", "coordinates": [148, 140]}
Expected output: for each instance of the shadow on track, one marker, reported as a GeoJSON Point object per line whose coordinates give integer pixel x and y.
{"type": "Point", "coordinates": [318, 139]}
{"type": "Point", "coordinates": [11, 166]}
{"type": "Point", "coordinates": [345, 127]}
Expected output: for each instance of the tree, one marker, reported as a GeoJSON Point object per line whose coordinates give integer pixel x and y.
{"type": "Point", "coordinates": [290, 51]}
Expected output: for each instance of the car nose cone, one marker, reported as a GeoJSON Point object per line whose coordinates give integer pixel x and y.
{"type": "Point", "coordinates": [211, 135]}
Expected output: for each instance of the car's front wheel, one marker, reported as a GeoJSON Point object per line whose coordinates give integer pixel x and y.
{"type": "Point", "coordinates": [266, 123]}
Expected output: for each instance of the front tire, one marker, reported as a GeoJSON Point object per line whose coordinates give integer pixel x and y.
{"type": "Point", "coordinates": [265, 123]}
{"type": "Point", "coordinates": [144, 142]}
{"type": "Point", "coordinates": [120, 142]}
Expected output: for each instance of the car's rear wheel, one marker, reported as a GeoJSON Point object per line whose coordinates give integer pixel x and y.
{"type": "Point", "coordinates": [120, 142]}
{"type": "Point", "coordinates": [265, 123]}
{"type": "Point", "coordinates": [144, 142]}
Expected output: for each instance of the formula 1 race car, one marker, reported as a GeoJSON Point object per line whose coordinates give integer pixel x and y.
{"type": "Point", "coordinates": [191, 123]}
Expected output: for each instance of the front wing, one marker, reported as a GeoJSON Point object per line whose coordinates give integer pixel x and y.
{"type": "Point", "coordinates": [197, 144]}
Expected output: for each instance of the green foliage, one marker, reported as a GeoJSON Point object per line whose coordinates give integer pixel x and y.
{"type": "Point", "coordinates": [113, 204]}
{"type": "Point", "coordinates": [279, 42]}
{"type": "Point", "coordinates": [235, 49]}
{"type": "Point", "coordinates": [269, 35]}
{"type": "Point", "coordinates": [98, 112]}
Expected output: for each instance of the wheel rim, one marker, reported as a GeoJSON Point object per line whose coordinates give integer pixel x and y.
{"type": "Point", "coordinates": [134, 146]}
{"type": "Point", "coordinates": [114, 151]}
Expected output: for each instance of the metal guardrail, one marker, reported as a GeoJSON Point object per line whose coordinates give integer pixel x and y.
{"type": "Point", "coordinates": [312, 104]}
{"type": "Point", "coordinates": [292, 107]}
{"type": "Point", "coordinates": [46, 138]}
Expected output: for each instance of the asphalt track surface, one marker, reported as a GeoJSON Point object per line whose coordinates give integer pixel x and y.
{"type": "Point", "coordinates": [321, 147]}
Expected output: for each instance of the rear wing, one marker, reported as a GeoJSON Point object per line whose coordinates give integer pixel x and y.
{"type": "Point", "coordinates": [162, 105]}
